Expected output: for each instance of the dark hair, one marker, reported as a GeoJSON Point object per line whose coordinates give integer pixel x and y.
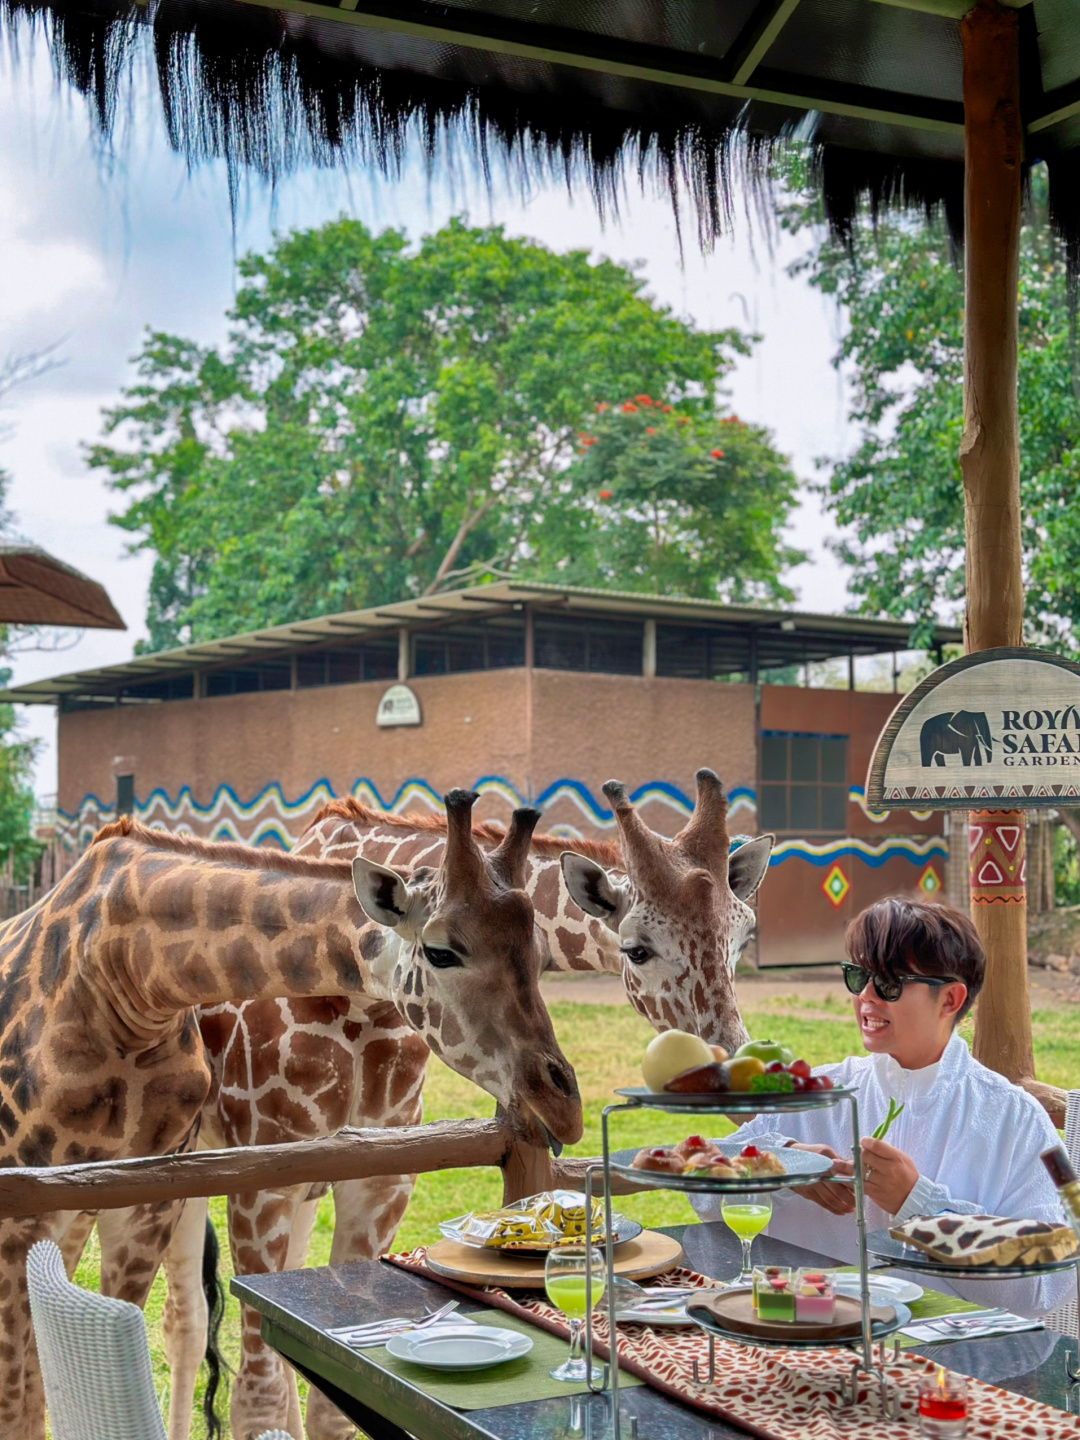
{"type": "Point", "coordinates": [895, 936]}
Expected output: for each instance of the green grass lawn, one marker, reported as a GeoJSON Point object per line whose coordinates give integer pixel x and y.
{"type": "Point", "coordinates": [604, 1043]}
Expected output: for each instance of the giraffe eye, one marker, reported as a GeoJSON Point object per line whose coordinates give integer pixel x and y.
{"type": "Point", "coordinates": [637, 954]}
{"type": "Point", "coordinates": [441, 959]}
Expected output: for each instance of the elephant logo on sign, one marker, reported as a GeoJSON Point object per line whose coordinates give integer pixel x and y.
{"type": "Point", "coordinates": [963, 732]}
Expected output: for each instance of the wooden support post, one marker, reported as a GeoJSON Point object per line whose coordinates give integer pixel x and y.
{"type": "Point", "coordinates": [990, 463]}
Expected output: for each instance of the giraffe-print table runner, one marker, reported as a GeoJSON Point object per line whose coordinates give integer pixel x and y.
{"type": "Point", "coordinates": [774, 1394]}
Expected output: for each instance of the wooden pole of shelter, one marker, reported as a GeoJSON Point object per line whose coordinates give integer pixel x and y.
{"type": "Point", "coordinates": [990, 463]}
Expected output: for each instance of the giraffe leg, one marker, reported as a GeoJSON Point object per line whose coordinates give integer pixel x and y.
{"type": "Point", "coordinates": [264, 1394]}
{"type": "Point", "coordinates": [22, 1397]}
{"type": "Point", "coordinates": [73, 1242]}
{"type": "Point", "coordinates": [367, 1214]}
{"type": "Point", "coordinates": [185, 1319]}
{"type": "Point", "coordinates": [303, 1225]}
{"type": "Point", "coordinates": [133, 1244]}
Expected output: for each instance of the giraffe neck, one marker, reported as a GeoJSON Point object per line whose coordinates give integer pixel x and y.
{"type": "Point", "coordinates": [173, 929]}
{"type": "Point", "coordinates": [577, 941]}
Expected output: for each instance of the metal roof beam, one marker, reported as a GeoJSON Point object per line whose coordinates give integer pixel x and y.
{"type": "Point", "coordinates": [756, 39]}
{"type": "Point", "coordinates": [580, 50]}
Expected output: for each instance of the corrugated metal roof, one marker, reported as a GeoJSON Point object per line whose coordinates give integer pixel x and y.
{"type": "Point", "coordinates": [840, 633]}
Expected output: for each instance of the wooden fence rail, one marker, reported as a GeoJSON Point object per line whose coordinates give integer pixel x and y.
{"type": "Point", "coordinates": [348, 1155]}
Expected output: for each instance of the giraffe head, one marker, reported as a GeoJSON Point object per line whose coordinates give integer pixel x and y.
{"type": "Point", "coordinates": [680, 912]}
{"type": "Point", "coordinates": [467, 974]}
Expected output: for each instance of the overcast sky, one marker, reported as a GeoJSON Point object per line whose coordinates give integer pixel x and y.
{"type": "Point", "coordinates": [94, 252]}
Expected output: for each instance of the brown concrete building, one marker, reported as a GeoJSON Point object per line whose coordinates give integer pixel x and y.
{"type": "Point", "coordinates": [525, 692]}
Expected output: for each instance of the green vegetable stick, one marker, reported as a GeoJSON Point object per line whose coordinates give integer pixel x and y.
{"type": "Point", "coordinates": [885, 1126]}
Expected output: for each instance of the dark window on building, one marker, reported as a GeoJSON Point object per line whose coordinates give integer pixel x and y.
{"type": "Point", "coordinates": [348, 664]}
{"type": "Point", "coordinates": [803, 781]}
{"type": "Point", "coordinates": [125, 795]}
{"type": "Point", "coordinates": [608, 647]}
{"type": "Point", "coordinates": [266, 675]}
{"type": "Point", "coordinates": [696, 652]}
{"type": "Point", "coordinates": [494, 644]}
{"type": "Point", "coordinates": [147, 692]}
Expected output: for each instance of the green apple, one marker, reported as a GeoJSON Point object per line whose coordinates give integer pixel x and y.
{"type": "Point", "coordinates": [767, 1050]}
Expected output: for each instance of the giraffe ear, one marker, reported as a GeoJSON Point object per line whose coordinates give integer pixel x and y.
{"type": "Point", "coordinates": [382, 893]}
{"type": "Point", "coordinates": [747, 865]}
{"type": "Point", "coordinates": [593, 889]}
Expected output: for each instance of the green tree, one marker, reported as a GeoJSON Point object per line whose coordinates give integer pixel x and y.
{"type": "Point", "coordinates": [386, 420]}
{"type": "Point", "coordinates": [673, 500]}
{"type": "Point", "coordinates": [899, 493]}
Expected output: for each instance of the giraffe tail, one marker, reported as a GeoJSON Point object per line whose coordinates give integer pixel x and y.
{"type": "Point", "coordinates": [216, 1367]}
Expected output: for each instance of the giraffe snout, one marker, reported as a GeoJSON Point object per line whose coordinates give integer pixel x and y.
{"type": "Point", "coordinates": [548, 1087]}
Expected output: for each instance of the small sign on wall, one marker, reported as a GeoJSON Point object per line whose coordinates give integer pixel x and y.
{"type": "Point", "coordinates": [399, 706]}
{"type": "Point", "coordinates": [996, 730]}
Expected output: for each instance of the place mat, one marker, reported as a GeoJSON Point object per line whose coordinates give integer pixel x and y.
{"type": "Point", "coordinates": [771, 1393]}
{"type": "Point", "coordinates": [932, 1306]}
{"type": "Point", "coordinates": [510, 1384]}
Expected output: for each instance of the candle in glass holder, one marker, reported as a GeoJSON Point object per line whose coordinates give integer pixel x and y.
{"type": "Point", "coordinates": [943, 1405]}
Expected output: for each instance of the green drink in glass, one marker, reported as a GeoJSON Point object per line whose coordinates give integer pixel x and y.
{"type": "Point", "coordinates": [747, 1216]}
{"type": "Point", "coordinates": [564, 1281]}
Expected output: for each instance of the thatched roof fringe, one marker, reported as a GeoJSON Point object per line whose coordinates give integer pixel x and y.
{"type": "Point", "coordinates": [269, 91]}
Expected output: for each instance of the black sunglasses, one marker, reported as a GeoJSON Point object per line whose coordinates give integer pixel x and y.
{"type": "Point", "coordinates": [856, 979]}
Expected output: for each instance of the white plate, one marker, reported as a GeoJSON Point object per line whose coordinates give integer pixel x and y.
{"type": "Point", "coordinates": [675, 1314]}
{"type": "Point", "coordinates": [459, 1347]}
{"type": "Point", "coordinates": [889, 1287]}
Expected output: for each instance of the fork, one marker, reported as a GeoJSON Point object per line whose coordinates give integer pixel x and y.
{"type": "Point", "coordinates": [395, 1324]}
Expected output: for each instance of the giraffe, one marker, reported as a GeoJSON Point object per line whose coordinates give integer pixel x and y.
{"type": "Point", "coordinates": [669, 915]}
{"type": "Point", "coordinates": [100, 1053]}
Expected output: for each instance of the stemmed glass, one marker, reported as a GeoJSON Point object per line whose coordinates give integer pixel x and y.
{"type": "Point", "coordinates": [564, 1280]}
{"type": "Point", "coordinates": [747, 1215]}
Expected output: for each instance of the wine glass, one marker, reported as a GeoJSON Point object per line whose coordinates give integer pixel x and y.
{"type": "Point", "coordinates": [747, 1215]}
{"type": "Point", "coordinates": [564, 1280]}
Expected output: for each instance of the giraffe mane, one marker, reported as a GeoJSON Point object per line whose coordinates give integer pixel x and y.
{"type": "Point", "coordinates": [228, 852]}
{"type": "Point", "coordinates": [604, 852]}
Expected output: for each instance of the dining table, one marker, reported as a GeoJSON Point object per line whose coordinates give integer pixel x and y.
{"type": "Point", "coordinates": [299, 1307]}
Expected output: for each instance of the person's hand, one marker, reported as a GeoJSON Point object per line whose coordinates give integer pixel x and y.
{"type": "Point", "coordinates": [837, 1199]}
{"type": "Point", "coordinates": [888, 1174]}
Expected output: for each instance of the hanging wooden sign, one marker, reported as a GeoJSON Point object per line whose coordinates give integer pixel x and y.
{"type": "Point", "coordinates": [998, 730]}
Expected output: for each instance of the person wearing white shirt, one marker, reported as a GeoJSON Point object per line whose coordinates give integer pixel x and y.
{"type": "Point", "coordinates": [967, 1139]}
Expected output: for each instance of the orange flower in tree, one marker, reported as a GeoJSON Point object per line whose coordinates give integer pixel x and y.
{"type": "Point", "coordinates": [643, 399]}
{"type": "Point", "coordinates": [666, 409]}
{"type": "Point", "coordinates": [602, 407]}
{"type": "Point", "coordinates": [605, 494]}
{"type": "Point", "coordinates": [650, 429]}
{"type": "Point", "coordinates": [717, 454]}
{"type": "Point", "coordinates": [628, 408]}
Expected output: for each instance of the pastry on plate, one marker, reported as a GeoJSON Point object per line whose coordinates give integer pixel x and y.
{"type": "Point", "coordinates": [760, 1162]}
{"type": "Point", "coordinates": [716, 1167]}
{"type": "Point", "coordinates": [693, 1146]}
{"type": "Point", "coordinates": [661, 1158]}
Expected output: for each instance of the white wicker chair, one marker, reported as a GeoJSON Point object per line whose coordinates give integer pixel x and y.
{"type": "Point", "coordinates": [1064, 1319]}
{"type": "Point", "coordinates": [95, 1360]}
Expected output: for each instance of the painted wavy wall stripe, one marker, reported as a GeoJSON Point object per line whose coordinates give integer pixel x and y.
{"type": "Point", "coordinates": [227, 805]}
{"type": "Point", "coordinates": [872, 853]}
{"type": "Point", "coordinates": [271, 818]}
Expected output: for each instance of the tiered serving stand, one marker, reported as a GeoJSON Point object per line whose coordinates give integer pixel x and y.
{"type": "Point", "coordinates": [866, 1363]}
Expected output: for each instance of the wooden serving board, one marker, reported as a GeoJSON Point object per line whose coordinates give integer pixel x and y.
{"type": "Point", "coordinates": [734, 1310]}
{"type": "Point", "coordinates": [640, 1259]}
